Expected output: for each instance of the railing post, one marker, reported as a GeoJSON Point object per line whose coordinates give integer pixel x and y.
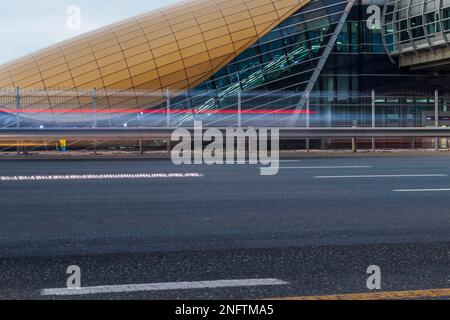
{"type": "Point", "coordinates": [18, 116]}
{"type": "Point", "coordinates": [239, 105]}
{"type": "Point", "coordinates": [168, 111]}
{"type": "Point", "coordinates": [374, 122]}
{"type": "Point", "coordinates": [18, 107]}
{"type": "Point", "coordinates": [308, 107]}
{"type": "Point", "coordinates": [436, 117]}
{"type": "Point", "coordinates": [308, 119]}
{"type": "Point", "coordinates": [94, 115]}
{"type": "Point", "coordinates": [141, 147]}
{"type": "Point", "coordinates": [94, 108]}
{"type": "Point", "coordinates": [139, 118]}
{"type": "Point", "coordinates": [354, 142]}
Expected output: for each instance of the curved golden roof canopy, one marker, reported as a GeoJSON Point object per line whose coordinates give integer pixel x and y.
{"type": "Point", "coordinates": [177, 47]}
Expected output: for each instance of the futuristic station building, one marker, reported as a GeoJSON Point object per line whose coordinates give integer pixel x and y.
{"type": "Point", "coordinates": [274, 60]}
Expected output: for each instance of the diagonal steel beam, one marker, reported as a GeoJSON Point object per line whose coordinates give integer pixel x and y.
{"type": "Point", "coordinates": [321, 64]}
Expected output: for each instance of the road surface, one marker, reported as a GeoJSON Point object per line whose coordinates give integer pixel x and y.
{"type": "Point", "coordinates": [147, 229]}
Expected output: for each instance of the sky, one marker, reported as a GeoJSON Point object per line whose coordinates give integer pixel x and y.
{"type": "Point", "coordinates": [29, 25]}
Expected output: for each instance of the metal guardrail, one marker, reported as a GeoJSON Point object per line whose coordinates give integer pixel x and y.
{"type": "Point", "coordinates": [165, 133]}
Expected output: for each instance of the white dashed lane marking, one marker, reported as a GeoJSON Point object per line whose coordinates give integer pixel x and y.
{"type": "Point", "coordinates": [422, 190]}
{"type": "Point", "coordinates": [163, 287]}
{"type": "Point", "coordinates": [101, 176]}
{"type": "Point", "coordinates": [384, 176]}
{"type": "Point", "coordinates": [329, 167]}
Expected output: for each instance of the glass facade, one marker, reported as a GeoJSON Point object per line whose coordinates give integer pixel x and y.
{"type": "Point", "coordinates": [280, 63]}
{"type": "Point", "coordinates": [412, 25]}
{"type": "Point", "coordinates": [359, 64]}
{"type": "Point", "coordinates": [283, 62]}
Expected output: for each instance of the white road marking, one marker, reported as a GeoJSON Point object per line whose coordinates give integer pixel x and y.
{"type": "Point", "coordinates": [383, 176]}
{"type": "Point", "coordinates": [163, 287]}
{"type": "Point", "coordinates": [102, 176]}
{"type": "Point", "coordinates": [422, 190]}
{"type": "Point", "coordinates": [329, 167]}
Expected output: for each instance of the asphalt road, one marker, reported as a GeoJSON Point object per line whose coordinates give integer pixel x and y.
{"type": "Point", "coordinates": [315, 227]}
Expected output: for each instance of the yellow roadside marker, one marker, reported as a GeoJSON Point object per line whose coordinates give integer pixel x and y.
{"type": "Point", "coordinates": [63, 143]}
{"type": "Point", "coordinates": [393, 295]}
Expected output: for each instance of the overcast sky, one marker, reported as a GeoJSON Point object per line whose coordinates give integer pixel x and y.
{"type": "Point", "coordinates": [30, 25]}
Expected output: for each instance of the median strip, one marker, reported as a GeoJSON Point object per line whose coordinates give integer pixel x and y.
{"type": "Point", "coordinates": [167, 286]}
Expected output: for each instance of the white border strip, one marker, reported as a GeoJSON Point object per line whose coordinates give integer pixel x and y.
{"type": "Point", "coordinates": [163, 287]}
